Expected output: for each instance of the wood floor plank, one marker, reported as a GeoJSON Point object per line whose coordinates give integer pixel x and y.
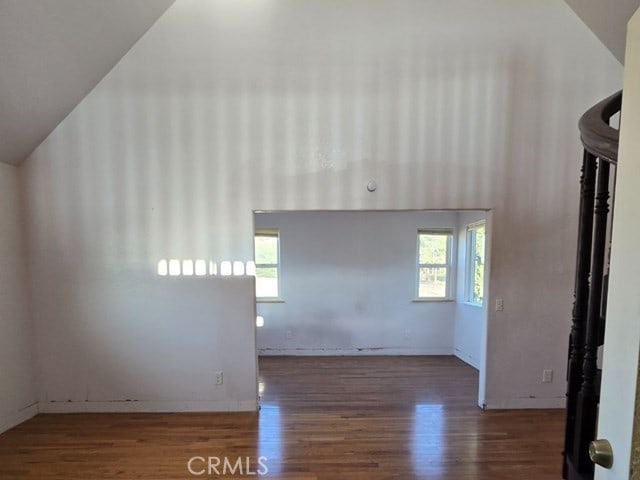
{"type": "Point", "coordinates": [322, 418]}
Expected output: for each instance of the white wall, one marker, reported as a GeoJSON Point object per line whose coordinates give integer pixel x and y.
{"type": "Point", "coordinates": [622, 335]}
{"type": "Point", "coordinates": [227, 107]}
{"type": "Point", "coordinates": [348, 281]}
{"type": "Point", "coordinates": [470, 320]}
{"type": "Point", "coordinates": [141, 342]}
{"type": "Point", "coordinates": [17, 394]}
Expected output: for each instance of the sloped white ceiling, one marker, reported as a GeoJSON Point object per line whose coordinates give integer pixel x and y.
{"type": "Point", "coordinates": [52, 53]}
{"type": "Point", "coordinates": [608, 20]}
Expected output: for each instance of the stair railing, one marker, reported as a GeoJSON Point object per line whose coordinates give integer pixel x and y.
{"type": "Point", "coordinates": [597, 184]}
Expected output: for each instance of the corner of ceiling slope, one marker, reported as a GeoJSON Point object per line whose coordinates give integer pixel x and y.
{"type": "Point", "coordinates": [53, 54]}
{"type": "Point", "coordinates": [607, 20]}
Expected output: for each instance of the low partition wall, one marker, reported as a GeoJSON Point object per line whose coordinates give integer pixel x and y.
{"type": "Point", "coordinates": [140, 342]}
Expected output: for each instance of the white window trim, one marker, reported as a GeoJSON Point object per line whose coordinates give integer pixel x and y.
{"type": "Point", "coordinates": [449, 289]}
{"type": "Point", "coordinates": [468, 283]}
{"type": "Point", "coordinates": [271, 232]}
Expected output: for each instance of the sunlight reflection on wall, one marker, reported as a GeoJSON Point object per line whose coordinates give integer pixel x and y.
{"type": "Point", "coordinates": [181, 171]}
{"type": "Point", "coordinates": [187, 267]}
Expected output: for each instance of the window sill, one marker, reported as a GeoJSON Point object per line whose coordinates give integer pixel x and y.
{"type": "Point", "coordinates": [433, 300]}
{"type": "Point", "coordinates": [471, 304]}
{"type": "Point", "coordinates": [269, 300]}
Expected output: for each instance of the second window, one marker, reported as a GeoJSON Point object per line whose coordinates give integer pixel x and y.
{"type": "Point", "coordinates": [434, 264]}
{"type": "Point", "coordinates": [267, 260]}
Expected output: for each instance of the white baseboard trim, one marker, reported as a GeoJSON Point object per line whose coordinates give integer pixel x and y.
{"type": "Point", "coordinates": [10, 421]}
{"type": "Point", "coordinates": [525, 403]}
{"type": "Point", "coordinates": [327, 352]}
{"type": "Point", "coordinates": [149, 406]}
{"type": "Point", "coordinates": [467, 359]}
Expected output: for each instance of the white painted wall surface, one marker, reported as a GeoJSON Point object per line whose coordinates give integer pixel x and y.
{"type": "Point", "coordinates": [227, 107]}
{"type": "Point", "coordinates": [622, 335]}
{"type": "Point", "coordinates": [470, 320]}
{"type": "Point", "coordinates": [141, 342]}
{"type": "Point", "coordinates": [17, 393]}
{"type": "Point", "coordinates": [348, 281]}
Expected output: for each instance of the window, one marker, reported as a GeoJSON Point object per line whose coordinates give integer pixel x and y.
{"type": "Point", "coordinates": [475, 263]}
{"type": "Point", "coordinates": [434, 264]}
{"type": "Point", "coordinates": [267, 258]}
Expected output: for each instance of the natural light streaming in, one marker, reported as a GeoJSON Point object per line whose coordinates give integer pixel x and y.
{"type": "Point", "coordinates": [163, 268]}
{"type": "Point", "coordinates": [174, 267]}
{"type": "Point", "coordinates": [251, 268]}
{"type": "Point", "coordinates": [238, 268]}
{"type": "Point", "coordinates": [187, 267]}
{"type": "Point", "coordinates": [270, 435]}
{"type": "Point", "coordinates": [427, 443]}
{"type": "Point", "coordinates": [201, 268]}
{"type": "Point", "coordinates": [225, 268]}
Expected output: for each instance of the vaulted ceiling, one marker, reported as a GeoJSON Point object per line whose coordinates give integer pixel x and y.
{"type": "Point", "coordinates": [52, 53]}
{"type": "Point", "coordinates": [607, 20]}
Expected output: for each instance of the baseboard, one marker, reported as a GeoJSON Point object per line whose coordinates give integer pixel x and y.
{"type": "Point", "coordinates": [327, 352]}
{"type": "Point", "coordinates": [525, 403]}
{"type": "Point", "coordinates": [467, 359]}
{"type": "Point", "coordinates": [149, 406]}
{"type": "Point", "coordinates": [17, 418]}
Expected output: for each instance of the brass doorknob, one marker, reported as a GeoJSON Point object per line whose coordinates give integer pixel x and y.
{"type": "Point", "coordinates": [601, 453]}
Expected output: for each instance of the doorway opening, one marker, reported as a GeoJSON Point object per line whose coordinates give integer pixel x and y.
{"type": "Point", "coordinates": [373, 283]}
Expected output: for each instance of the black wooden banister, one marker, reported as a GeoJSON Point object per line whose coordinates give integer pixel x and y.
{"type": "Point", "coordinates": [597, 184]}
{"type": "Point", "coordinates": [598, 137]}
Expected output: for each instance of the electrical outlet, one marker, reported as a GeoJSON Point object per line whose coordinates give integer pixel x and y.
{"type": "Point", "coordinates": [547, 376]}
{"type": "Point", "coordinates": [289, 334]}
{"type": "Point", "coordinates": [499, 304]}
{"type": "Point", "coordinates": [219, 378]}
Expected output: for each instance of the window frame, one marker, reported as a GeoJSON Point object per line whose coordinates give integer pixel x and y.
{"type": "Point", "coordinates": [268, 232]}
{"type": "Point", "coordinates": [449, 265]}
{"type": "Point", "coordinates": [469, 269]}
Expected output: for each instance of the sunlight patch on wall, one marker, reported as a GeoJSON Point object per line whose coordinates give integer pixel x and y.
{"type": "Point", "coordinates": [188, 267]}
{"type": "Point", "coordinates": [163, 268]}
{"type": "Point", "coordinates": [225, 268]}
{"type": "Point", "coordinates": [174, 267]}
{"type": "Point", "coordinates": [201, 268]}
{"type": "Point", "coordinates": [238, 268]}
{"type": "Point", "coordinates": [251, 269]}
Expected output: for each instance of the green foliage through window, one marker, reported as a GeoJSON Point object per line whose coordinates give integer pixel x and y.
{"type": "Point", "coordinates": [475, 263]}
{"type": "Point", "coordinates": [434, 258]}
{"type": "Point", "coordinates": [267, 264]}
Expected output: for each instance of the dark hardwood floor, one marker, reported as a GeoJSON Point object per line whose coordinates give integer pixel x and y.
{"type": "Point", "coordinates": [322, 418]}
